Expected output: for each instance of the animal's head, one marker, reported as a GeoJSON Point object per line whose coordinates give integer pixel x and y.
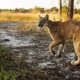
{"type": "Point", "coordinates": [43, 21]}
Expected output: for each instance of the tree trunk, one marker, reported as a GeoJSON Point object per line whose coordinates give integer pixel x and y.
{"type": "Point", "coordinates": [71, 9]}
{"type": "Point", "coordinates": [60, 10]}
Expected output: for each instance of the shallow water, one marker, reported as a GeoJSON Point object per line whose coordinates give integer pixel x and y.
{"type": "Point", "coordinates": [14, 39]}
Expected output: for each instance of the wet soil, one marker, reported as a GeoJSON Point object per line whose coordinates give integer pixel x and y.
{"type": "Point", "coordinates": [33, 50]}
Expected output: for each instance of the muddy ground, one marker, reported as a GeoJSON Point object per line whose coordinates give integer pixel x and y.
{"type": "Point", "coordinates": [32, 48]}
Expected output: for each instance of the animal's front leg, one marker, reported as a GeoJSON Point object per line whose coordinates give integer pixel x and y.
{"type": "Point", "coordinates": [53, 44]}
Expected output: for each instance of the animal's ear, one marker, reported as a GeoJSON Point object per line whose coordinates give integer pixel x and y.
{"type": "Point", "coordinates": [40, 17]}
{"type": "Point", "coordinates": [47, 17]}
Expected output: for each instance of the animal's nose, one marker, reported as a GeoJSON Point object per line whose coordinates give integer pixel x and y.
{"type": "Point", "coordinates": [39, 25]}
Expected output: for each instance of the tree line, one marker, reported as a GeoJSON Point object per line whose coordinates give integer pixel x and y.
{"type": "Point", "coordinates": [38, 10]}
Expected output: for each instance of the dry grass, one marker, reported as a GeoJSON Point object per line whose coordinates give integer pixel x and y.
{"type": "Point", "coordinates": [18, 17]}
{"type": "Point", "coordinates": [77, 16]}
{"type": "Point", "coordinates": [30, 17]}
{"type": "Point", "coordinates": [31, 26]}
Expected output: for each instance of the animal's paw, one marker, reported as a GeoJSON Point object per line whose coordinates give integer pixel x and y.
{"type": "Point", "coordinates": [75, 62]}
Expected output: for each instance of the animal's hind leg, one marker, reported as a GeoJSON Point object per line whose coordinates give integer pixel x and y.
{"type": "Point", "coordinates": [61, 49]}
{"type": "Point", "coordinates": [77, 50]}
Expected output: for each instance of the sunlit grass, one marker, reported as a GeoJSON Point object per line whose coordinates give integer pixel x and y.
{"type": "Point", "coordinates": [77, 16]}
{"type": "Point", "coordinates": [18, 17]}
{"type": "Point", "coordinates": [30, 17]}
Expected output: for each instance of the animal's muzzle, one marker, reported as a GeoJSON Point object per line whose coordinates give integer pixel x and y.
{"type": "Point", "coordinates": [40, 26]}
